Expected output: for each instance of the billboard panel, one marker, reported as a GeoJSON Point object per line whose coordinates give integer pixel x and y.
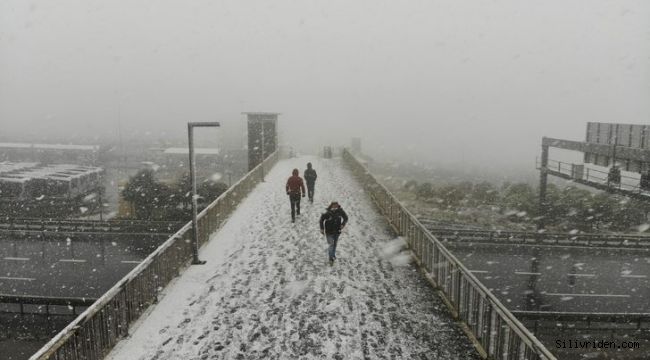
{"type": "Point", "coordinates": [626, 135]}
{"type": "Point", "coordinates": [623, 135]}
{"type": "Point", "coordinates": [636, 136]}
{"type": "Point", "coordinates": [592, 132]}
{"type": "Point", "coordinates": [604, 133]}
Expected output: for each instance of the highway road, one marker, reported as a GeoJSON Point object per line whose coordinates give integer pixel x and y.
{"type": "Point", "coordinates": [570, 279]}
{"type": "Point", "coordinates": [69, 266]}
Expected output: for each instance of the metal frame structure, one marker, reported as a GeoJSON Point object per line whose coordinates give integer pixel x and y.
{"type": "Point", "coordinates": [495, 328]}
{"type": "Point", "coordinates": [96, 331]}
{"type": "Point", "coordinates": [621, 152]}
{"type": "Point", "coordinates": [597, 179]}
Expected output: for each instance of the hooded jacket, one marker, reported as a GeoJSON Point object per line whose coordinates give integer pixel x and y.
{"type": "Point", "coordinates": [295, 184]}
{"type": "Point", "coordinates": [310, 175]}
{"type": "Point", "coordinates": [332, 221]}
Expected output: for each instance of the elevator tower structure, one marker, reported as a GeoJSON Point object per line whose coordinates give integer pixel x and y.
{"type": "Point", "coordinates": [262, 136]}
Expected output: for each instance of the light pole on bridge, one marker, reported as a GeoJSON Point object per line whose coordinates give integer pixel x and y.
{"type": "Point", "coordinates": [195, 229]}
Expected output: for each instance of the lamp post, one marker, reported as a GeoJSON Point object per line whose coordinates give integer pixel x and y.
{"type": "Point", "coordinates": [263, 148]}
{"type": "Point", "coordinates": [195, 229]}
{"type": "Point", "coordinates": [229, 172]}
{"type": "Point", "coordinates": [543, 181]}
{"type": "Point", "coordinates": [101, 205]}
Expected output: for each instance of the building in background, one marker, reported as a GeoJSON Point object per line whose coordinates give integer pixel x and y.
{"type": "Point", "coordinates": [54, 190]}
{"type": "Point", "coordinates": [171, 163]}
{"type": "Point", "coordinates": [32, 180]}
{"type": "Point", "coordinates": [50, 153]}
{"type": "Point", "coordinates": [262, 136]}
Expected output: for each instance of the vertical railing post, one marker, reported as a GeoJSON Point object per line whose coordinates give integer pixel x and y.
{"type": "Point", "coordinates": [543, 180]}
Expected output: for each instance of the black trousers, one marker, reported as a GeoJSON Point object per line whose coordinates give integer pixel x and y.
{"type": "Point", "coordinates": [310, 191]}
{"type": "Point", "coordinates": [295, 205]}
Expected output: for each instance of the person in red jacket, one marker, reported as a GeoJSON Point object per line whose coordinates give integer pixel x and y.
{"type": "Point", "coordinates": [295, 187]}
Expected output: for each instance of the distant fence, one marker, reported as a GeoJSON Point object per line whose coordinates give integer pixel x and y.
{"type": "Point", "coordinates": [610, 322]}
{"type": "Point", "coordinates": [94, 333]}
{"type": "Point", "coordinates": [26, 304]}
{"type": "Point", "coordinates": [592, 176]}
{"type": "Point", "coordinates": [15, 236]}
{"type": "Point", "coordinates": [536, 238]}
{"type": "Point", "coordinates": [496, 329]}
{"type": "Point", "coordinates": [56, 225]}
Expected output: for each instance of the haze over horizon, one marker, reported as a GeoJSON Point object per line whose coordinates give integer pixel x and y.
{"type": "Point", "coordinates": [441, 81]}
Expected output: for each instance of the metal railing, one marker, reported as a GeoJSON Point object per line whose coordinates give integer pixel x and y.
{"type": "Point", "coordinates": [556, 320]}
{"type": "Point", "coordinates": [44, 303]}
{"type": "Point", "coordinates": [81, 236]}
{"type": "Point", "coordinates": [94, 332]}
{"type": "Point", "coordinates": [536, 238]}
{"type": "Point", "coordinates": [592, 175]}
{"type": "Point", "coordinates": [497, 331]}
{"type": "Point", "coordinates": [89, 225]}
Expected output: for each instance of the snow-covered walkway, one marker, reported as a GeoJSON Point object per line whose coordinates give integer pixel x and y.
{"type": "Point", "coordinates": [267, 292]}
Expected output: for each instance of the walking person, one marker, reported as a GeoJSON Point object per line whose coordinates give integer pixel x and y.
{"type": "Point", "coordinates": [295, 188]}
{"type": "Point", "coordinates": [310, 178]}
{"type": "Point", "coordinates": [332, 223]}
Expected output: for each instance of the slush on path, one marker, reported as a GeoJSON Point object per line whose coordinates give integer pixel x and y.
{"type": "Point", "coordinates": [265, 294]}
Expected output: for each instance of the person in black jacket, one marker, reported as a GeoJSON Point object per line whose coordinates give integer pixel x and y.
{"type": "Point", "coordinates": [310, 177]}
{"type": "Point", "coordinates": [332, 223]}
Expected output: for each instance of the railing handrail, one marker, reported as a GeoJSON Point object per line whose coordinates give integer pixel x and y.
{"type": "Point", "coordinates": [81, 221]}
{"type": "Point", "coordinates": [573, 315]}
{"type": "Point", "coordinates": [108, 295]}
{"type": "Point", "coordinates": [555, 167]}
{"type": "Point", "coordinates": [56, 342]}
{"type": "Point", "coordinates": [534, 234]}
{"type": "Point", "coordinates": [86, 226]}
{"type": "Point", "coordinates": [542, 234]}
{"type": "Point", "coordinates": [45, 300]}
{"type": "Point", "coordinates": [513, 323]}
{"type": "Point", "coordinates": [594, 321]}
{"type": "Point", "coordinates": [65, 233]}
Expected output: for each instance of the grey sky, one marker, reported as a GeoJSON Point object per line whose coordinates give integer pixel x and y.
{"type": "Point", "coordinates": [425, 78]}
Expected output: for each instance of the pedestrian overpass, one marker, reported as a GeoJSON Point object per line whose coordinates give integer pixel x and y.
{"type": "Point", "coordinates": [267, 290]}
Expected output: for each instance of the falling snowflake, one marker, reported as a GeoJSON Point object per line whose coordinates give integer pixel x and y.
{"type": "Point", "coordinates": [643, 227]}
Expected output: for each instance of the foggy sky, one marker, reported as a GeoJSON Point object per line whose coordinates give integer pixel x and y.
{"type": "Point", "coordinates": [477, 81]}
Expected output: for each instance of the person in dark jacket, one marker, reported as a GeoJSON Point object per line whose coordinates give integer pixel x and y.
{"type": "Point", "coordinates": [332, 223]}
{"type": "Point", "coordinates": [295, 187]}
{"type": "Point", "coordinates": [310, 178]}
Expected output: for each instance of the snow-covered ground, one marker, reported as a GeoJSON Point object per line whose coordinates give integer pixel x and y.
{"type": "Point", "coordinates": [267, 291]}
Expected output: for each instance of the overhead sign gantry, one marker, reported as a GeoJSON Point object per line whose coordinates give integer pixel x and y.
{"type": "Point", "coordinates": [617, 146]}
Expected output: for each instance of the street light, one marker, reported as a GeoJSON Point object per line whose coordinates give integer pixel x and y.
{"type": "Point", "coordinates": [195, 229]}
{"type": "Point", "coordinates": [263, 148]}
